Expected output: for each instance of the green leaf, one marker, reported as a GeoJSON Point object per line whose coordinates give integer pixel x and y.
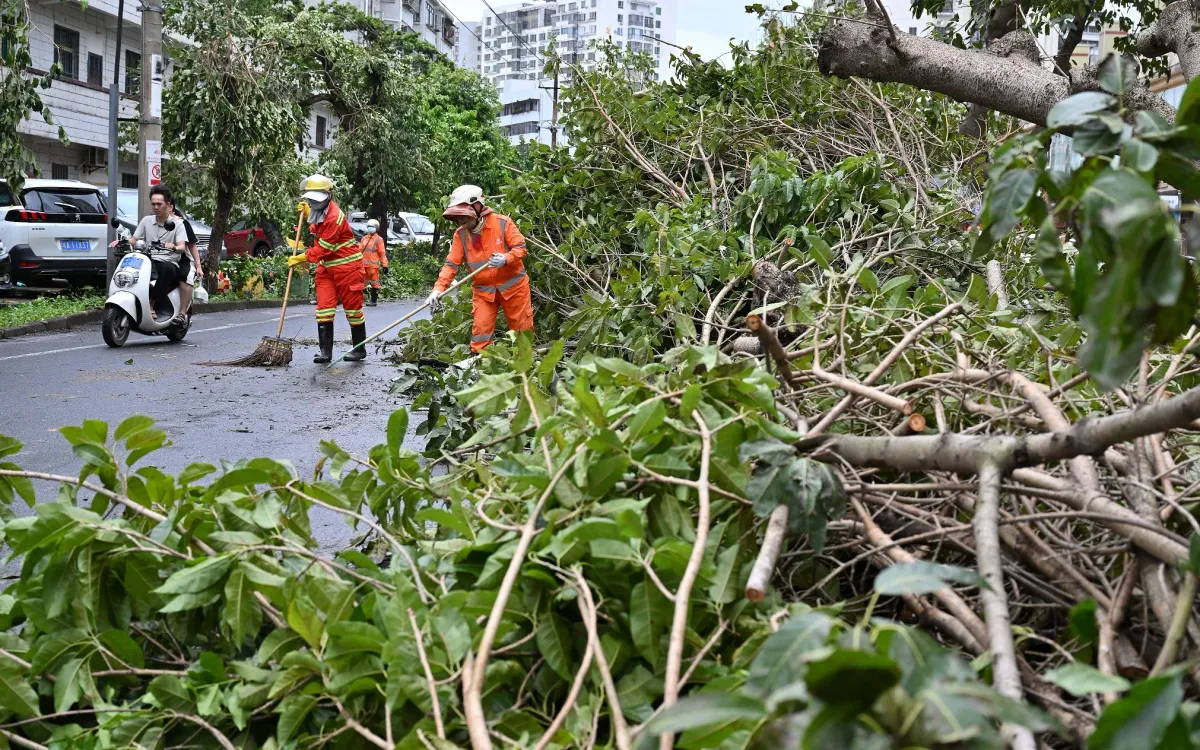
{"type": "Point", "coordinates": [292, 712]}
{"type": "Point", "coordinates": [16, 695]}
{"type": "Point", "coordinates": [197, 578]}
{"type": "Point", "coordinates": [1118, 74]}
{"type": "Point", "coordinates": [69, 682]}
{"type": "Point", "coordinates": [705, 709]}
{"type": "Point", "coordinates": [724, 586]}
{"type": "Point", "coordinates": [649, 617]}
{"type": "Point", "coordinates": [397, 428]}
{"type": "Point", "coordinates": [445, 518]}
{"type": "Point", "coordinates": [1007, 197]}
{"type": "Point", "coordinates": [131, 426]}
{"type": "Point", "coordinates": [1189, 106]}
{"type": "Point", "coordinates": [923, 577]}
{"type": "Point", "coordinates": [171, 693]}
{"type": "Point", "coordinates": [1083, 621]}
{"type": "Point", "coordinates": [242, 614]}
{"type": "Point", "coordinates": [455, 633]}
{"type": "Point", "coordinates": [1138, 155]}
{"type": "Point", "coordinates": [554, 643]}
{"type": "Point", "coordinates": [305, 620]}
{"type": "Point", "coordinates": [783, 656]}
{"type": "Point", "coordinates": [1193, 561]}
{"type": "Point", "coordinates": [1080, 679]}
{"type": "Point", "coordinates": [1140, 719]}
{"type": "Point", "coordinates": [848, 677]}
{"type": "Point", "coordinates": [1074, 110]}
{"type": "Point", "coordinates": [648, 418]}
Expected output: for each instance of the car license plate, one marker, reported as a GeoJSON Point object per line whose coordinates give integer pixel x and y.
{"type": "Point", "coordinates": [75, 245]}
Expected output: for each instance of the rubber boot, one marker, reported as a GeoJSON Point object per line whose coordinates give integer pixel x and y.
{"type": "Point", "coordinates": [358, 334]}
{"type": "Point", "coordinates": [325, 341]}
{"type": "Point", "coordinates": [374, 297]}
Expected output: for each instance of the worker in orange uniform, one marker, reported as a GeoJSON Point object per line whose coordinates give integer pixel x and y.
{"type": "Point", "coordinates": [339, 276]}
{"type": "Point", "coordinates": [486, 239]}
{"type": "Point", "coordinates": [374, 254]}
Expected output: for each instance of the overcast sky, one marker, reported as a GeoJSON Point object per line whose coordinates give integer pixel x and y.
{"type": "Point", "coordinates": [705, 25]}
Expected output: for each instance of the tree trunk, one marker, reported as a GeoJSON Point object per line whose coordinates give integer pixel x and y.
{"type": "Point", "coordinates": [274, 234]}
{"type": "Point", "coordinates": [1003, 20]}
{"type": "Point", "coordinates": [1070, 40]}
{"type": "Point", "coordinates": [379, 212]}
{"type": "Point", "coordinates": [1174, 31]}
{"type": "Point", "coordinates": [227, 186]}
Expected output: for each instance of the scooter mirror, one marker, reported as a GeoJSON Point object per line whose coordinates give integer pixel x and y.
{"type": "Point", "coordinates": [116, 223]}
{"type": "Point", "coordinates": [169, 225]}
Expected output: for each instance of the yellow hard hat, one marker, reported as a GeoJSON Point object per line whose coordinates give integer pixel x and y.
{"type": "Point", "coordinates": [316, 187]}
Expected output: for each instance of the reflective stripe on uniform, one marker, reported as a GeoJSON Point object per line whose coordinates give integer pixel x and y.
{"type": "Point", "coordinates": [481, 337]}
{"type": "Point", "coordinates": [326, 314]}
{"type": "Point", "coordinates": [331, 247]}
{"type": "Point", "coordinates": [455, 266]}
{"type": "Point", "coordinates": [502, 287]}
{"type": "Point", "coordinates": [522, 246]}
{"type": "Point", "coordinates": [341, 261]}
{"type": "Point", "coordinates": [355, 317]}
{"type": "Point", "coordinates": [370, 262]}
{"type": "Point", "coordinates": [476, 266]}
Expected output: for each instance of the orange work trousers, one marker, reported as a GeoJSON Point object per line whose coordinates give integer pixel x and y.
{"type": "Point", "coordinates": [340, 285]}
{"type": "Point", "coordinates": [518, 309]}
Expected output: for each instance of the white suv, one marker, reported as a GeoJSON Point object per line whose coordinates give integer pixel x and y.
{"type": "Point", "coordinates": [55, 229]}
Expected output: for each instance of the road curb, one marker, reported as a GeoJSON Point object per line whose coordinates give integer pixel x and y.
{"type": "Point", "coordinates": [93, 316]}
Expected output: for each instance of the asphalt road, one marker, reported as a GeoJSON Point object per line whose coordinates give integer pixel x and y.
{"type": "Point", "coordinates": [209, 413]}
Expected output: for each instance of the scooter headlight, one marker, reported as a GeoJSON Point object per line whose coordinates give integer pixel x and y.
{"type": "Point", "coordinates": [125, 278]}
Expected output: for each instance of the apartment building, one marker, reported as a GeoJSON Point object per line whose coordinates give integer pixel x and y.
{"type": "Point", "coordinates": [469, 52]}
{"type": "Point", "coordinates": [517, 37]}
{"type": "Point", "coordinates": [83, 39]}
{"type": "Point", "coordinates": [429, 19]}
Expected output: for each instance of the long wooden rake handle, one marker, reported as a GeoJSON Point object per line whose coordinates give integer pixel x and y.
{"type": "Point", "coordinates": [288, 288]}
{"type": "Point", "coordinates": [369, 339]}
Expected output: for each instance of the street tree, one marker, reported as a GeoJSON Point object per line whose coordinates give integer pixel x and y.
{"type": "Point", "coordinates": [232, 104]}
{"type": "Point", "coordinates": [19, 93]}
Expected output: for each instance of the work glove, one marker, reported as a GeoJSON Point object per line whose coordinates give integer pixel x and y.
{"type": "Point", "coordinates": [304, 209]}
{"type": "Point", "coordinates": [385, 270]}
{"type": "Point", "coordinates": [497, 260]}
{"type": "Point", "coordinates": [297, 259]}
{"type": "Point", "coordinates": [434, 300]}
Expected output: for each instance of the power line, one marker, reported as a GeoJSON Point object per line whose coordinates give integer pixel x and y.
{"type": "Point", "coordinates": [486, 44]}
{"type": "Point", "coordinates": [520, 37]}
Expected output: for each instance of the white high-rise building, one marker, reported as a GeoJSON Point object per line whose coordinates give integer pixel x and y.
{"type": "Point", "coordinates": [470, 45]}
{"type": "Point", "coordinates": [517, 38]}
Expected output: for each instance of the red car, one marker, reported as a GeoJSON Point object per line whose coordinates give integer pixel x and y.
{"type": "Point", "coordinates": [243, 239]}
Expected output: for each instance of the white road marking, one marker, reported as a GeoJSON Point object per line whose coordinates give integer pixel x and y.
{"type": "Point", "coordinates": [192, 332]}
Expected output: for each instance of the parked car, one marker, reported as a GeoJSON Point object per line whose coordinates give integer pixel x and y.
{"type": "Point", "coordinates": [358, 225]}
{"type": "Point", "coordinates": [55, 229]}
{"type": "Point", "coordinates": [411, 227]}
{"type": "Point", "coordinates": [127, 214]}
{"type": "Point", "coordinates": [243, 239]}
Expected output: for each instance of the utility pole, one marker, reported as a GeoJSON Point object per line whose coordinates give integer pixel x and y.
{"type": "Point", "coordinates": [554, 113]}
{"type": "Point", "coordinates": [114, 142]}
{"type": "Point", "coordinates": [150, 161]}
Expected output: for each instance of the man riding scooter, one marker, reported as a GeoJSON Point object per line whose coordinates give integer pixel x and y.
{"type": "Point", "coordinates": [165, 246]}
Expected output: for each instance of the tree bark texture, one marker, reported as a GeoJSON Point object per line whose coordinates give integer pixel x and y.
{"type": "Point", "coordinates": [1013, 84]}
{"type": "Point", "coordinates": [1174, 31]}
{"type": "Point", "coordinates": [227, 187]}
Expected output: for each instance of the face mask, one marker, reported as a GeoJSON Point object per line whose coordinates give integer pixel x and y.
{"type": "Point", "coordinates": [370, 230]}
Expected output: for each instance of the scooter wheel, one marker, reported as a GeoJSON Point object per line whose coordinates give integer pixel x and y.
{"type": "Point", "coordinates": [176, 333]}
{"type": "Point", "coordinates": [114, 326]}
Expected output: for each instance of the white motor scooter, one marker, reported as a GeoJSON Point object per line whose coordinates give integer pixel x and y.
{"type": "Point", "coordinates": [130, 294]}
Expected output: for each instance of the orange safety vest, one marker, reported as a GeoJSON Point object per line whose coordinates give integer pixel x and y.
{"type": "Point", "coordinates": [374, 251]}
{"type": "Point", "coordinates": [334, 240]}
{"type": "Point", "coordinates": [499, 234]}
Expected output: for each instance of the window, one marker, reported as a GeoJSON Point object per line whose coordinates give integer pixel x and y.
{"type": "Point", "coordinates": [948, 7]}
{"type": "Point", "coordinates": [129, 180]}
{"type": "Point", "coordinates": [59, 172]}
{"type": "Point", "coordinates": [572, 6]}
{"type": "Point", "coordinates": [487, 21]}
{"type": "Point", "coordinates": [320, 132]}
{"type": "Point", "coordinates": [620, 32]}
{"type": "Point", "coordinates": [620, 18]}
{"type": "Point", "coordinates": [658, 11]}
{"type": "Point", "coordinates": [63, 200]}
{"type": "Point", "coordinates": [658, 24]}
{"type": "Point", "coordinates": [521, 107]}
{"type": "Point", "coordinates": [912, 30]}
{"type": "Point", "coordinates": [620, 3]}
{"type": "Point", "coordinates": [66, 51]}
{"type": "Point", "coordinates": [133, 73]}
{"type": "Point", "coordinates": [95, 69]}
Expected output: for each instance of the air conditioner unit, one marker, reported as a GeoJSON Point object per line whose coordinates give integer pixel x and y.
{"type": "Point", "coordinates": [96, 157]}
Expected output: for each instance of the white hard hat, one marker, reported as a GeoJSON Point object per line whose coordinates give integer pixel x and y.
{"type": "Point", "coordinates": [465, 195]}
{"type": "Point", "coordinates": [373, 223]}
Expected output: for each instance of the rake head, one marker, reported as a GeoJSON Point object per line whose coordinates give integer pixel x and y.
{"type": "Point", "coordinates": [271, 352]}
